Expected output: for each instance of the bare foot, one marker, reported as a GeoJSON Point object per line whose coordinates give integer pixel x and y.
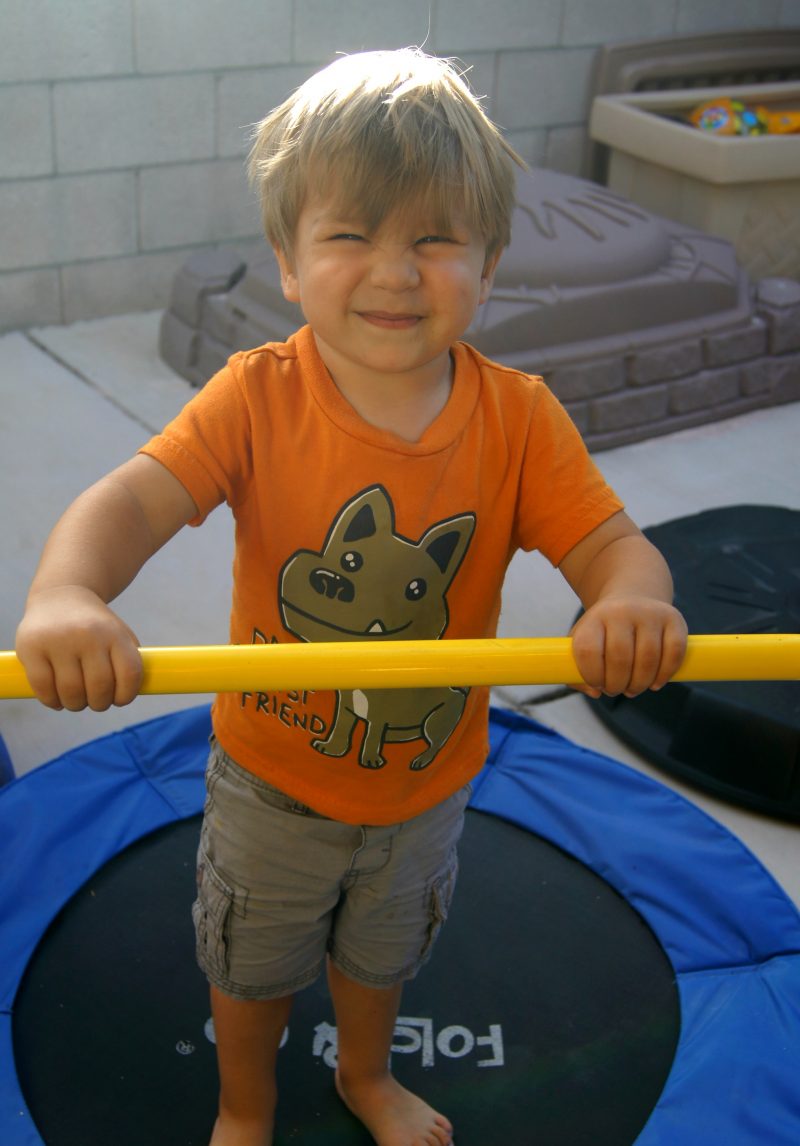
{"type": "Point", "coordinates": [228, 1132]}
{"type": "Point", "coordinates": [393, 1115]}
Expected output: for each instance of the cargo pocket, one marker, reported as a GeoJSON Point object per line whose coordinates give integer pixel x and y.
{"type": "Point", "coordinates": [440, 897]}
{"type": "Point", "coordinates": [211, 913]}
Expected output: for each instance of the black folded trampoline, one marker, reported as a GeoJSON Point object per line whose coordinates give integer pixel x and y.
{"type": "Point", "coordinates": [617, 967]}
{"type": "Point", "coordinates": [736, 570]}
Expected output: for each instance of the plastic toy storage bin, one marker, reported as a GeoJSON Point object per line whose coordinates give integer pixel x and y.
{"type": "Point", "coordinates": [744, 188]}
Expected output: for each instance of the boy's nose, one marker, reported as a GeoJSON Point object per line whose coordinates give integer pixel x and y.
{"type": "Point", "coordinates": [395, 270]}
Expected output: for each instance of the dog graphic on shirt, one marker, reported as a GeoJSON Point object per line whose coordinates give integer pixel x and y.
{"type": "Point", "coordinates": [370, 584]}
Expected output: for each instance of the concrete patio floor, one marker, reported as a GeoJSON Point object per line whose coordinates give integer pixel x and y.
{"type": "Point", "coordinates": [78, 400]}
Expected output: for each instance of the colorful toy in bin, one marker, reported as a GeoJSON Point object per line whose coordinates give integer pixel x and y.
{"type": "Point", "coordinates": [732, 117]}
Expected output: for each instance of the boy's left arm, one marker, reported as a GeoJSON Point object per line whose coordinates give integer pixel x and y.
{"type": "Point", "coordinates": [630, 637]}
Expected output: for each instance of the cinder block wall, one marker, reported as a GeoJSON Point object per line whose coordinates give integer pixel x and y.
{"type": "Point", "coordinates": [123, 122]}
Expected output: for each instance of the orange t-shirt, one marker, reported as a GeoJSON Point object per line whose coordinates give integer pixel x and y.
{"type": "Point", "coordinates": [348, 532]}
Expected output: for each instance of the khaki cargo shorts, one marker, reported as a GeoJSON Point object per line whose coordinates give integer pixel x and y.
{"type": "Point", "coordinates": [280, 887]}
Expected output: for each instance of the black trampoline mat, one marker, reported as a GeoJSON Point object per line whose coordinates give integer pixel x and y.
{"type": "Point", "coordinates": [547, 1015]}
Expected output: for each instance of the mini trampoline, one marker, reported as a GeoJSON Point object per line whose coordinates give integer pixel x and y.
{"type": "Point", "coordinates": [617, 968]}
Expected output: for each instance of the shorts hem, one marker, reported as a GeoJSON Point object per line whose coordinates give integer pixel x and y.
{"type": "Point", "coordinates": [369, 978]}
{"type": "Point", "coordinates": [261, 994]}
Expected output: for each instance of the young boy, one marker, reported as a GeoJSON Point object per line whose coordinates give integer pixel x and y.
{"type": "Point", "coordinates": [381, 474]}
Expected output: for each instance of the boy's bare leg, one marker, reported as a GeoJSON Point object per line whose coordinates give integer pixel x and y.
{"type": "Point", "coordinates": [365, 1020]}
{"type": "Point", "coordinates": [248, 1035]}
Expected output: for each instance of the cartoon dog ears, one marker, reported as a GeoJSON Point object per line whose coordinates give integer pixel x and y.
{"type": "Point", "coordinates": [370, 514]}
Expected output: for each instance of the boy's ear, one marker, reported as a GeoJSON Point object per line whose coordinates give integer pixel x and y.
{"type": "Point", "coordinates": [487, 276]}
{"type": "Point", "coordinates": [289, 283]}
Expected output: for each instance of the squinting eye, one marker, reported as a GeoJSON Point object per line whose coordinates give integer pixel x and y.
{"type": "Point", "coordinates": [347, 235]}
{"type": "Point", "coordinates": [427, 239]}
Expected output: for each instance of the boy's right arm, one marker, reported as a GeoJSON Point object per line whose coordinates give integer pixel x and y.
{"type": "Point", "coordinates": [75, 651]}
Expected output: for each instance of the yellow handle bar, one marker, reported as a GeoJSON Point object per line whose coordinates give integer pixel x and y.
{"type": "Point", "coordinates": [421, 664]}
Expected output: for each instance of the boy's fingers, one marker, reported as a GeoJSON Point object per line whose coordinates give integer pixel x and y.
{"type": "Point", "coordinates": [111, 676]}
{"type": "Point", "coordinates": [620, 659]}
{"type": "Point", "coordinates": [647, 660]}
{"type": "Point", "coordinates": [42, 680]}
{"type": "Point", "coordinates": [69, 683]}
{"type": "Point", "coordinates": [589, 650]}
{"type": "Point", "coordinates": [673, 650]}
{"type": "Point", "coordinates": [99, 680]}
{"type": "Point", "coordinates": [95, 679]}
{"type": "Point", "coordinates": [629, 658]}
{"type": "Point", "coordinates": [128, 671]}
{"type": "Point", "coordinates": [587, 690]}
{"type": "Point", "coordinates": [659, 653]}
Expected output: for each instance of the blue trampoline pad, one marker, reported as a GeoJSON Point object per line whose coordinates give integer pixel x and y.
{"type": "Point", "coordinates": [607, 867]}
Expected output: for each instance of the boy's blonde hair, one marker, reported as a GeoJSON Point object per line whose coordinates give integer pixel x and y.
{"type": "Point", "coordinates": [381, 132]}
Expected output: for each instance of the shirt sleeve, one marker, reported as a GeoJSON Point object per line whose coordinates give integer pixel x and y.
{"type": "Point", "coordinates": [563, 495]}
{"type": "Point", "coordinates": [207, 447]}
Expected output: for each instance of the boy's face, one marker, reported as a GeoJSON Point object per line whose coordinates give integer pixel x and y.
{"type": "Point", "coordinates": [390, 302]}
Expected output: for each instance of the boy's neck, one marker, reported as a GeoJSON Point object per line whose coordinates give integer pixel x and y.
{"type": "Point", "coordinates": [405, 403]}
{"type": "Point", "coordinates": [405, 409]}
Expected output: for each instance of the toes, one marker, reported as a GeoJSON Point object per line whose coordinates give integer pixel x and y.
{"type": "Point", "coordinates": [441, 1135]}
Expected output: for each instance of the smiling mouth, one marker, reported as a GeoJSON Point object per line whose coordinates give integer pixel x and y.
{"type": "Point", "coordinates": [389, 321]}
